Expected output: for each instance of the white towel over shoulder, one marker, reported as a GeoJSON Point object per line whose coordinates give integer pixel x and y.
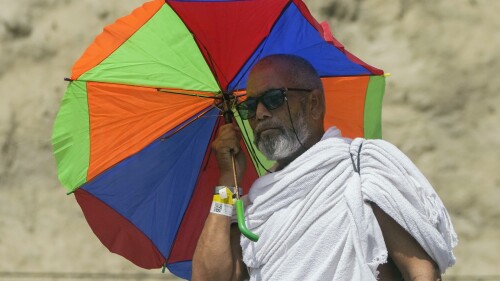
{"type": "Point", "coordinates": [315, 221]}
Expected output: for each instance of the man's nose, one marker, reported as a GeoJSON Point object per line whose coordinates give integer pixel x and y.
{"type": "Point", "coordinates": [262, 112]}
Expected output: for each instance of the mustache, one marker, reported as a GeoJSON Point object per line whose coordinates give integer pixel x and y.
{"type": "Point", "coordinates": [267, 125]}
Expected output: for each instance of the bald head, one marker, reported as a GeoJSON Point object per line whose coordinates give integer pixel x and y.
{"type": "Point", "coordinates": [298, 71]}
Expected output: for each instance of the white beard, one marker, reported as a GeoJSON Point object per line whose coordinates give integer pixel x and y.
{"type": "Point", "coordinates": [277, 147]}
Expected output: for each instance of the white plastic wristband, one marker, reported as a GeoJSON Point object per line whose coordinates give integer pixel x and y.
{"type": "Point", "coordinates": [222, 209]}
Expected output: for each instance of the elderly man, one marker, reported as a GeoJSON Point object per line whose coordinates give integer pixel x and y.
{"type": "Point", "coordinates": [332, 208]}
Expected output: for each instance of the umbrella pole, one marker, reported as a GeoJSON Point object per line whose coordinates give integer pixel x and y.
{"type": "Point", "coordinates": [240, 212]}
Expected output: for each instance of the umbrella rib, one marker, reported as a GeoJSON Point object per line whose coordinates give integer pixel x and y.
{"type": "Point", "coordinates": [187, 123]}
{"type": "Point", "coordinates": [213, 64]}
{"type": "Point", "coordinates": [212, 136]}
{"type": "Point", "coordinates": [185, 94]}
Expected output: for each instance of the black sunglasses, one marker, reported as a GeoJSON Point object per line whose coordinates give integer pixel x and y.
{"type": "Point", "coordinates": [271, 99]}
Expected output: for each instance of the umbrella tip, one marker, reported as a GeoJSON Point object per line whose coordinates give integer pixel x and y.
{"type": "Point", "coordinates": [387, 74]}
{"type": "Point", "coordinates": [68, 79]}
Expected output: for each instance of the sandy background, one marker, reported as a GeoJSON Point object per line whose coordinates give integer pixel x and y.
{"type": "Point", "coordinates": [441, 108]}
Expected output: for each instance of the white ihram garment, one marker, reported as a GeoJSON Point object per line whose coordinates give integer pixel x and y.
{"type": "Point", "coordinates": [315, 221]}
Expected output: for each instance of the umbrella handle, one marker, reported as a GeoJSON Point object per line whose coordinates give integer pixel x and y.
{"type": "Point", "coordinates": [240, 214]}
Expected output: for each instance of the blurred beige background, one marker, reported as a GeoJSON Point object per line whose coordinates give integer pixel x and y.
{"type": "Point", "coordinates": [441, 107]}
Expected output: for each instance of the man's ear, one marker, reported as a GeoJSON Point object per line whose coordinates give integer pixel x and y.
{"type": "Point", "coordinates": [316, 105]}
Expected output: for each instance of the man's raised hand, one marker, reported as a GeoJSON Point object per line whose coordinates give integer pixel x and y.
{"type": "Point", "coordinates": [226, 143]}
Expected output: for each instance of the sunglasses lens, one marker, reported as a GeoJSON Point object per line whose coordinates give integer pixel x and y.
{"type": "Point", "coordinates": [247, 109]}
{"type": "Point", "coordinates": [273, 99]}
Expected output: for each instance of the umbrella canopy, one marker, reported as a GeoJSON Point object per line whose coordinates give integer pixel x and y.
{"type": "Point", "coordinates": [132, 137]}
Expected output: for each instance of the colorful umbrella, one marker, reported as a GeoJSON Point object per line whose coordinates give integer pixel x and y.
{"type": "Point", "coordinates": [132, 137]}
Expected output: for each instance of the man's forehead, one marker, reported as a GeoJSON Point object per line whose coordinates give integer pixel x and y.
{"type": "Point", "coordinates": [279, 65]}
{"type": "Point", "coordinates": [266, 77]}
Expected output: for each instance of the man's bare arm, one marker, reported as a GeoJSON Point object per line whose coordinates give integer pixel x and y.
{"type": "Point", "coordinates": [240, 269]}
{"type": "Point", "coordinates": [218, 252]}
{"type": "Point", "coordinates": [410, 258]}
{"type": "Point", "coordinates": [213, 258]}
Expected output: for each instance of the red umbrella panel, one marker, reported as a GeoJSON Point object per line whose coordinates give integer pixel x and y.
{"type": "Point", "coordinates": [132, 137]}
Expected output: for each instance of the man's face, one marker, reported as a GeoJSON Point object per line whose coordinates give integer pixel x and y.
{"type": "Point", "coordinates": [273, 130]}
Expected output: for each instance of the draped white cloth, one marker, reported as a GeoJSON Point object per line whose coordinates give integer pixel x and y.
{"type": "Point", "coordinates": [315, 221]}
